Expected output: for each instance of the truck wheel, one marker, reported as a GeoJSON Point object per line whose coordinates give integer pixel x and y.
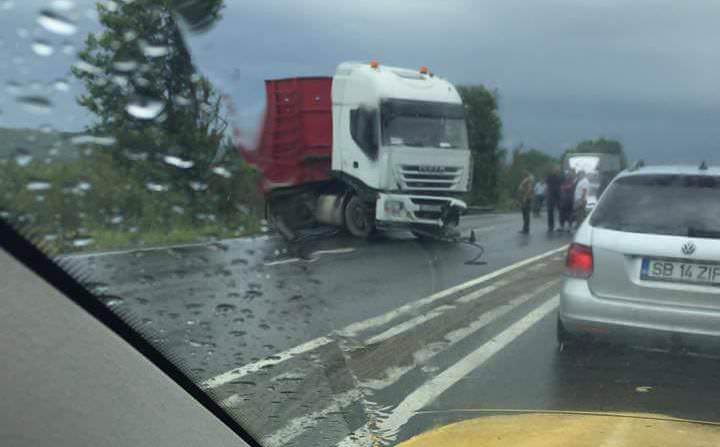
{"type": "Point", "coordinates": [358, 218]}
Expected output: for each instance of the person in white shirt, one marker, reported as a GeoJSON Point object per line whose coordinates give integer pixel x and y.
{"type": "Point", "coordinates": [581, 192]}
{"type": "Point", "coordinates": [539, 198]}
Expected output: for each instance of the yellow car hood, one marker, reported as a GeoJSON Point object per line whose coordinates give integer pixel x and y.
{"type": "Point", "coordinates": [571, 430]}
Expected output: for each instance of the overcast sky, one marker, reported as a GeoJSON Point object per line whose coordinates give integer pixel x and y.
{"type": "Point", "coordinates": [644, 72]}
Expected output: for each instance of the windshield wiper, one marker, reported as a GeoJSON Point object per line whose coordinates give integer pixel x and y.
{"type": "Point", "coordinates": [704, 233]}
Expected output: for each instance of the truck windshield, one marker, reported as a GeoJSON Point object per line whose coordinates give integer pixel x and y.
{"type": "Point", "coordinates": [423, 124]}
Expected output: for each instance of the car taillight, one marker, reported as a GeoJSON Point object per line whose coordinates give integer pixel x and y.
{"type": "Point", "coordinates": [579, 263]}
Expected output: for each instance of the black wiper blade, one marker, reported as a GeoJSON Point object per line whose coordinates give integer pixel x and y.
{"type": "Point", "coordinates": [703, 232]}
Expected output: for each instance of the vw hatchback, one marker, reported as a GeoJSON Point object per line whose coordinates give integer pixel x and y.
{"type": "Point", "coordinates": [645, 265]}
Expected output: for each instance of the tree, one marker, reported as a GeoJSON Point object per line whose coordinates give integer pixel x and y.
{"type": "Point", "coordinates": [146, 95]}
{"type": "Point", "coordinates": [484, 133]}
{"type": "Point", "coordinates": [537, 162]}
{"type": "Point", "coordinates": [143, 88]}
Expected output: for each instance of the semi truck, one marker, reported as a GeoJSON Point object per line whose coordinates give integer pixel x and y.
{"type": "Point", "coordinates": [371, 148]}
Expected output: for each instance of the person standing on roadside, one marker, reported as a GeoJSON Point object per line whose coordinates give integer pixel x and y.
{"type": "Point", "coordinates": [552, 195]}
{"type": "Point", "coordinates": [581, 192]}
{"type": "Point", "coordinates": [525, 195]}
{"type": "Point", "coordinates": [567, 197]}
{"type": "Point", "coordinates": [539, 198]}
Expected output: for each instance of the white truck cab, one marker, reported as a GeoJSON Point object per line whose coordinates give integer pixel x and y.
{"type": "Point", "coordinates": [401, 134]}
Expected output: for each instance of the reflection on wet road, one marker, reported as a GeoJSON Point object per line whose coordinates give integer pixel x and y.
{"type": "Point", "coordinates": [342, 341]}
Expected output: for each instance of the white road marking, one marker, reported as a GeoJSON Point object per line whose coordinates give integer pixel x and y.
{"type": "Point", "coordinates": [297, 426]}
{"type": "Point", "coordinates": [407, 325]}
{"type": "Point", "coordinates": [429, 391]}
{"type": "Point", "coordinates": [244, 370]}
{"type": "Point", "coordinates": [361, 326]}
{"type": "Point", "coordinates": [472, 296]}
{"type": "Point", "coordinates": [355, 328]}
{"type": "Point", "coordinates": [393, 374]}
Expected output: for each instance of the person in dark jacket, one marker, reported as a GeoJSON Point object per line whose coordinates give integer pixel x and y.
{"type": "Point", "coordinates": [567, 201]}
{"type": "Point", "coordinates": [552, 195]}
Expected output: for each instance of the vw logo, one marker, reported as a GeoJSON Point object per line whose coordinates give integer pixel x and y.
{"type": "Point", "coordinates": [688, 248]}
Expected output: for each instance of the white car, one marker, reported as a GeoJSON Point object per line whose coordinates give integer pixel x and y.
{"type": "Point", "coordinates": [645, 264]}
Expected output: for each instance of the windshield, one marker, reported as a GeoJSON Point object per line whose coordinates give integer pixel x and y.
{"type": "Point", "coordinates": [337, 270]}
{"type": "Point", "coordinates": [641, 204]}
{"type": "Point", "coordinates": [418, 124]}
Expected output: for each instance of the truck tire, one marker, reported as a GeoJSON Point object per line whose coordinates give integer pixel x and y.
{"type": "Point", "coordinates": [359, 219]}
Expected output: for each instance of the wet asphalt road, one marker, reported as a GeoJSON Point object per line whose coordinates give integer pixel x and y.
{"type": "Point", "coordinates": [357, 341]}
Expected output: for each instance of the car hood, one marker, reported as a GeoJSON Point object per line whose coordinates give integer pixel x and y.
{"type": "Point", "coordinates": [570, 429]}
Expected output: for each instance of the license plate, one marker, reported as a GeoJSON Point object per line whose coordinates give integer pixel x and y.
{"type": "Point", "coordinates": [432, 208]}
{"type": "Point", "coordinates": [680, 271]}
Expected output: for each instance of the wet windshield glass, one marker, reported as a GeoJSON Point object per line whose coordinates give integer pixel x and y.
{"type": "Point", "coordinates": [407, 123]}
{"type": "Point", "coordinates": [351, 230]}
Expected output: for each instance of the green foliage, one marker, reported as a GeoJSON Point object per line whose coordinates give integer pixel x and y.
{"type": "Point", "coordinates": [538, 163]}
{"type": "Point", "coordinates": [158, 175]}
{"type": "Point", "coordinates": [600, 145]}
{"type": "Point", "coordinates": [89, 199]}
{"type": "Point", "coordinates": [484, 133]}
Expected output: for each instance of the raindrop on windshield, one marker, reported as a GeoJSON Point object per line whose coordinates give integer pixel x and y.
{"type": "Point", "coordinates": [178, 209]}
{"type": "Point", "coordinates": [178, 162]}
{"type": "Point", "coordinates": [150, 50]}
{"type": "Point", "coordinates": [61, 85]}
{"type": "Point", "coordinates": [68, 49]}
{"type": "Point", "coordinates": [144, 108]}
{"type": "Point", "coordinates": [112, 301]}
{"type": "Point", "coordinates": [82, 242]}
{"type": "Point", "coordinates": [128, 65]}
{"type": "Point", "coordinates": [23, 157]}
{"type": "Point", "coordinates": [156, 187]}
{"type": "Point", "coordinates": [198, 186]}
{"type": "Point", "coordinates": [38, 186]}
{"type": "Point", "coordinates": [42, 48]}
{"type": "Point", "coordinates": [225, 308]}
{"type": "Point", "coordinates": [35, 104]}
{"type": "Point", "coordinates": [221, 171]}
{"type": "Point", "coordinates": [87, 67]}
{"type": "Point", "coordinates": [91, 139]}
{"type": "Point", "coordinates": [56, 23]}
{"type": "Point", "coordinates": [117, 219]}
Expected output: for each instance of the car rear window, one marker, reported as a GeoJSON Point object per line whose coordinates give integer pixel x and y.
{"type": "Point", "coordinates": [681, 205]}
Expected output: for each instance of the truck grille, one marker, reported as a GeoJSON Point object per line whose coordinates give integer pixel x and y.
{"type": "Point", "coordinates": [430, 178]}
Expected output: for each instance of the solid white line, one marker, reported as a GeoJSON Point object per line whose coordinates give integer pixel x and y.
{"type": "Point", "coordinates": [297, 426]}
{"type": "Point", "coordinates": [472, 296]}
{"type": "Point", "coordinates": [244, 370]}
{"type": "Point", "coordinates": [394, 374]}
{"type": "Point", "coordinates": [388, 428]}
{"type": "Point", "coordinates": [355, 328]}
{"type": "Point", "coordinates": [407, 325]}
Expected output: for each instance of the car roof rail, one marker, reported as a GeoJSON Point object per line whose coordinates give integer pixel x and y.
{"type": "Point", "coordinates": [703, 166]}
{"type": "Point", "coordinates": [638, 164]}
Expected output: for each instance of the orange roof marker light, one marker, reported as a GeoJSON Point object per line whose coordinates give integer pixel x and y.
{"type": "Point", "coordinates": [424, 70]}
{"type": "Point", "coordinates": [374, 64]}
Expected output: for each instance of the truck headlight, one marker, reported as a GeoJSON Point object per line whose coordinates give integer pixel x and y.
{"type": "Point", "coordinates": [394, 207]}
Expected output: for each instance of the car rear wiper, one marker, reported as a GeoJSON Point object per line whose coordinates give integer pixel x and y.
{"type": "Point", "coordinates": [704, 233]}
